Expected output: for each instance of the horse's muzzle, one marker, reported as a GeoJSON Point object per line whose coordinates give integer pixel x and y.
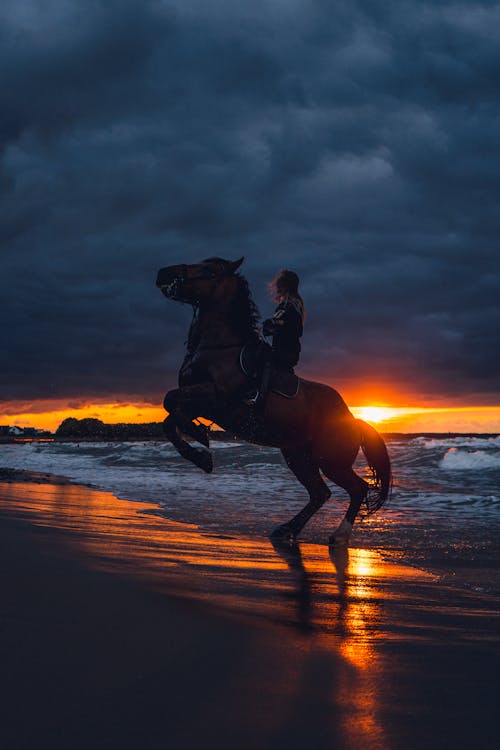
{"type": "Point", "coordinates": [170, 283]}
{"type": "Point", "coordinates": [172, 290]}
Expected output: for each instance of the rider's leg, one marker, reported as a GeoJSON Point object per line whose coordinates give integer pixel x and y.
{"type": "Point", "coordinates": [264, 385]}
{"type": "Point", "coordinates": [277, 362]}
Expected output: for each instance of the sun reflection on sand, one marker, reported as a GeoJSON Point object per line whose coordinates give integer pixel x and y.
{"type": "Point", "coordinates": [132, 535]}
{"type": "Point", "coordinates": [361, 724]}
{"type": "Point", "coordinates": [239, 570]}
{"type": "Point", "coordinates": [332, 632]}
{"type": "Point", "coordinates": [334, 600]}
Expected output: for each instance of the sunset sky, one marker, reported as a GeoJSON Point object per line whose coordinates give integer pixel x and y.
{"type": "Point", "coordinates": [353, 142]}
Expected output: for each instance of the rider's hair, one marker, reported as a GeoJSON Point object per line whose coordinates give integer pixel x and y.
{"type": "Point", "coordinates": [285, 283]}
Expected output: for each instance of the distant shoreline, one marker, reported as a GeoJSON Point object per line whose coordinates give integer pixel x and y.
{"type": "Point", "coordinates": [220, 435]}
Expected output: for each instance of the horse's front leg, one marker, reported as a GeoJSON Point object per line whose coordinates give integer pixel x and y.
{"type": "Point", "coordinates": [184, 405]}
{"type": "Point", "coordinates": [198, 456]}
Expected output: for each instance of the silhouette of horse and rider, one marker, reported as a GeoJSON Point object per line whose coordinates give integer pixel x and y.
{"type": "Point", "coordinates": [231, 376]}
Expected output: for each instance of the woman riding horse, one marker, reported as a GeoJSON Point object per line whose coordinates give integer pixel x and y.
{"type": "Point", "coordinates": [286, 327]}
{"type": "Point", "coordinates": [316, 432]}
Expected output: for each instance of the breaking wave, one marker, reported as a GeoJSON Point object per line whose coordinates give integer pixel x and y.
{"type": "Point", "coordinates": [456, 459]}
{"type": "Point", "coordinates": [462, 441]}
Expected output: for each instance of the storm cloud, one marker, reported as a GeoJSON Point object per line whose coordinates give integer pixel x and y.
{"type": "Point", "coordinates": [355, 142]}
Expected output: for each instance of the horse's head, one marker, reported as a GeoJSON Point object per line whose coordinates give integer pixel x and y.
{"type": "Point", "coordinates": [197, 282]}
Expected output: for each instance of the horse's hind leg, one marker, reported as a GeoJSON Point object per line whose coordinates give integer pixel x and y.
{"type": "Point", "coordinates": [307, 472]}
{"type": "Point", "coordinates": [357, 489]}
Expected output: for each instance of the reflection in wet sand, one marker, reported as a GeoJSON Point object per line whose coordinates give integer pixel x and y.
{"type": "Point", "coordinates": [358, 596]}
{"type": "Point", "coordinates": [348, 603]}
{"type": "Point", "coordinates": [361, 720]}
{"type": "Point", "coordinates": [299, 584]}
{"type": "Point", "coordinates": [348, 619]}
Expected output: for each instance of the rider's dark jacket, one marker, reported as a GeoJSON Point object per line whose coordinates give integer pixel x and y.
{"type": "Point", "coordinates": [286, 327]}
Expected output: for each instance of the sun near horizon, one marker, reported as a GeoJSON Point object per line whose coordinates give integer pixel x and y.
{"type": "Point", "coordinates": [385, 417]}
{"type": "Point", "coordinates": [409, 419]}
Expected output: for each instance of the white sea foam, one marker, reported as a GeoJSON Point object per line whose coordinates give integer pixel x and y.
{"type": "Point", "coordinates": [461, 441]}
{"type": "Point", "coordinates": [153, 471]}
{"type": "Point", "coordinates": [460, 460]}
{"type": "Point", "coordinates": [251, 488]}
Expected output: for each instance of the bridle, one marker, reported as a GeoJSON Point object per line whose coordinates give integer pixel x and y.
{"type": "Point", "coordinates": [174, 287]}
{"type": "Point", "coordinates": [180, 280]}
{"type": "Point", "coordinates": [202, 277]}
{"type": "Point", "coordinates": [206, 275]}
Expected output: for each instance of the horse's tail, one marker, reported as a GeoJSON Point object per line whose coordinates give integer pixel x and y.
{"type": "Point", "coordinates": [379, 462]}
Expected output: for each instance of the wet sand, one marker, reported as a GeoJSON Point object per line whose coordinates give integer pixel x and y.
{"type": "Point", "coordinates": [120, 629]}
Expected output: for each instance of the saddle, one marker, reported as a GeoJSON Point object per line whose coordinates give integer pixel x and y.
{"type": "Point", "coordinates": [253, 357]}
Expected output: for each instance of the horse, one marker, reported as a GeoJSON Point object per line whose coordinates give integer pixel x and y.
{"type": "Point", "coordinates": [317, 434]}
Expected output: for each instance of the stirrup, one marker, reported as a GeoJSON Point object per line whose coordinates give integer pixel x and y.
{"type": "Point", "coordinates": [252, 400]}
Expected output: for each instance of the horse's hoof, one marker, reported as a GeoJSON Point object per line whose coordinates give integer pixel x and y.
{"type": "Point", "coordinates": [341, 536]}
{"type": "Point", "coordinates": [283, 533]}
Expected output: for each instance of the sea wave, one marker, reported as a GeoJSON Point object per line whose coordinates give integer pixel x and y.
{"type": "Point", "coordinates": [460, 441]}
{"type": "Point", "coordinates": [456, 459]}
{"type": "Point", "coordinates": [252, 488]}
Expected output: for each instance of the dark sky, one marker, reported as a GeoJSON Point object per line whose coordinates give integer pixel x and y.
{"type": "Point", "coordinates": [357, 143]}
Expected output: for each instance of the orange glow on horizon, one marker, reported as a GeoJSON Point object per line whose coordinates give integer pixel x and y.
{"type": "Point", "coordinates": [374, 414]}
{"type": "Point", "coordinates": [384, 416]}
{"type": "Point", "coordinates": [431, 419]}
{"type": "Point", "coordinates": [48, 415]}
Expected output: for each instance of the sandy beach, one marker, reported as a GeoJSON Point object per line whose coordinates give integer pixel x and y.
{"type": "Point", "coordinates": [122, 629]}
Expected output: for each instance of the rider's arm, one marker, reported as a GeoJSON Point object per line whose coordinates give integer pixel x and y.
{"type": "Point", "coordinates": [271, 325]}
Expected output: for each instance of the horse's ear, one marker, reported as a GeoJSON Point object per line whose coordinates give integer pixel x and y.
{"type": "Point", "coordinates": [235, 264]}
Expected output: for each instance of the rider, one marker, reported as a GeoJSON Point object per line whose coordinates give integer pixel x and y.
{"type": "Point", "coordinates": [287, 323]}
{"type": "Point", "coordinates": [285, 327]}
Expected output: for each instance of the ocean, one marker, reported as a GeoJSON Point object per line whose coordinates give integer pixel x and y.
{"type": "Point", "coordinates": [443, 514]}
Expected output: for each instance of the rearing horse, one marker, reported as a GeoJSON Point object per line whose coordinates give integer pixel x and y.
{"type": "Point", "coordinates": [316, 432]}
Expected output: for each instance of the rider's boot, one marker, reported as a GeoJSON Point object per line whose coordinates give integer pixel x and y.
{"type": "Point", "coordinates": [265, 382]}
{"type": "Point", "coordinates": [251, 398]}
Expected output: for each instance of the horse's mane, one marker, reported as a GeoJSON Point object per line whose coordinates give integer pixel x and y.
{"type": "Point", "coordinates": [243, 313]}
